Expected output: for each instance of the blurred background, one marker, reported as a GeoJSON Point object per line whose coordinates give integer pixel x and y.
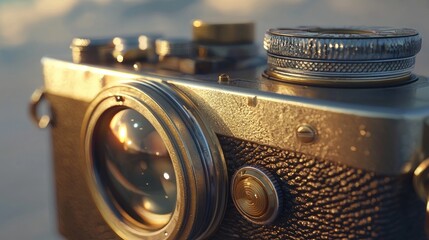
{"type": "Point", "coordinates": [31, 29]}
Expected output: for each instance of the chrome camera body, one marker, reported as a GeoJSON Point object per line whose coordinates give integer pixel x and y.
{"type": "Point", "coordinates": [158, 138]}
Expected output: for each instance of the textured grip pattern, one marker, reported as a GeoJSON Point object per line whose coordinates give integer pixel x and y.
{"type": "Point", "coordinates": [350, 68]}
{"type": "Point", "coordinates": [350, 53]}
{"type": "Point", "coordinates": [315, 43]}
{"type": "Point", "coordinates": [325, 200]}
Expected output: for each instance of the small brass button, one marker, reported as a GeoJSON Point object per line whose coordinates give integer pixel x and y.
{"type": "Point", "coordinates": [256, 194]}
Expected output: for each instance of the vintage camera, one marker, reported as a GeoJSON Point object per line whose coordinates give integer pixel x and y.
{"type": "Point", "coordinates": [325, 137]}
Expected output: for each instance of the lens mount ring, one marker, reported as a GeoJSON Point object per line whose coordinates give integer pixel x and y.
{"type": "Point", "coordinates": [195, 154]}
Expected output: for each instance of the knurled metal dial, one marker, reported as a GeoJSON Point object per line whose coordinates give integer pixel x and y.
{"type": "Point", "coordinates": [347, 44]}
{"type": "Point", "coordinates": [357, 53]}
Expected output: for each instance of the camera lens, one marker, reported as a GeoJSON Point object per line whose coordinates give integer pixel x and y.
{"type": "Point", "coordinates": [135, 169]}
{"type": "Point", "coordinates": [154, 170]}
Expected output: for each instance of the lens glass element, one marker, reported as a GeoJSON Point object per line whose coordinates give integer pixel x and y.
{"type": "Point", "coordinates": [135, 169]}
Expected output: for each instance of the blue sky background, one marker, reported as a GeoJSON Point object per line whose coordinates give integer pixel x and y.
{"type": "Point", "coordinates": [30, 29]}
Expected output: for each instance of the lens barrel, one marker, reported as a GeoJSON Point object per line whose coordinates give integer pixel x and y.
{"type": "Point", "coordinates": [153, 168]}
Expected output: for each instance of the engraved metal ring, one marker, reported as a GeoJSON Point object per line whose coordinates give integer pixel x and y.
{"type": "Point", "coordinates": [340, 68]}
{"type": "Point", "coordinates": [342, 55]}
{"type": "Point", "coordinates": [354, 43]}
{"type": "Point", "coordinates": [186, 151]}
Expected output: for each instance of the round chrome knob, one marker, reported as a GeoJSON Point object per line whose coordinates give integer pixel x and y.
{"type": "Point", "coordinates": [344, 56]}
{"type": "Point", "coordinates": [256, 194]}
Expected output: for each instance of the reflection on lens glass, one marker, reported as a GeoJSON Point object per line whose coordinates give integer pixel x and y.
{"type": "Point", "coordinates": [135, 168]}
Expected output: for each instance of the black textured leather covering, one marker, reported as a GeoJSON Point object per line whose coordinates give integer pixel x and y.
{"type": "Point", "coordinates": [322, 199]}
{"type": "Point", "coordinates": [325, 200]}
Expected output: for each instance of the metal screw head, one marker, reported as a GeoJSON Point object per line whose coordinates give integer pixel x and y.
{"type": "Point", "coordinates": [119, 98]}
{"type": "Point", "coordinates": [306, 133]}
{"type": "Point", "coordinates": [224, 78]}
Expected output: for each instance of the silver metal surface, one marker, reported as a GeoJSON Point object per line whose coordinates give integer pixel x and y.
{"type": "Point", "coordinates": [196, 156]}
{"type": "Point", "coordinates": [37, 98]}
{"type": "Point", "coordinates": [278, 74]}
{"type": "Point", "coordinates": [341, 53]}
{"type": "Point", "coordinates": [311, 67]}
{"type": "Point", "coordinates": [352, 43]}
{"type": "Point", "coordinates": [377, 129]}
